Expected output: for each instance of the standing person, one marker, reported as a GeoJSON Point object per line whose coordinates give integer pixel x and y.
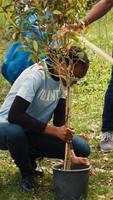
{"type": "Point", "coordinates": [98, 11]}
{"type": "Point", "coordinates": [34, 98]}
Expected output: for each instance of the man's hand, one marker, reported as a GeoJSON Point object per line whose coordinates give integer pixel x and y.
{"type": "Point", "coordinates": [71, 28]}
{"type": "Point", "coordinates": [79, 160]}
{"type": "Point", "coordinates": [65, 133]}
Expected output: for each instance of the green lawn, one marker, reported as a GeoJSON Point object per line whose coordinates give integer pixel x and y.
{"type": "Point", "coordinates": [87, 106]}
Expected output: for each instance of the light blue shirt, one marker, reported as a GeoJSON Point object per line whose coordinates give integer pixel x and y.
{"type": "Point", "coordinates": [37, 87]}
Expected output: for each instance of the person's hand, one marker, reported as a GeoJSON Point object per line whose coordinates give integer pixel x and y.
{"type": "Point", "coordinates": [82, 160]}
{"type": "Point", "coordinates": [71, 28]}
{"type": "Point", "coordinates": [64, 133]}
{"type": "Point", "coordinates": [79, 160]}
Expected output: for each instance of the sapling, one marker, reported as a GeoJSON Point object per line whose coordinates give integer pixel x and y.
{"type": "Point", "coordinates": [67, 63]}
{"type": "Point", "coordinates": [51, 15]}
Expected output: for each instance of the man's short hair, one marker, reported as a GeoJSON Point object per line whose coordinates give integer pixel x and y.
{"type": "Point", "coordinates": [69, 56]}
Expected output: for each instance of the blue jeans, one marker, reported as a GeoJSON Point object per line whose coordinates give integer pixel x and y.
{"type": "Point", "coordinates": [107, 120]}
{"type": "Point", "coordinates": [24, 146]}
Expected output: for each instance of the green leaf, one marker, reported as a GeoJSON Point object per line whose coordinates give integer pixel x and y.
{"type": "Point", "coordinates": [70, 1]}
{"type": "Point", "coordinates": [2, 19]}
{"type": "Point", "coordinates": [33, 58]}
{"type": "Point", "coordinates": [5, 3]}
{"type": "Point", "coordinates": [35, 45]}
{"type": "Point", "coordinates": [71, 11]}
{"type": "Point", "coordinates": [56, 12]}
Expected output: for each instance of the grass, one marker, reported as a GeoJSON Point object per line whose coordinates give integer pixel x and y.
{"type": "Point", "coordinates": [87, 107]}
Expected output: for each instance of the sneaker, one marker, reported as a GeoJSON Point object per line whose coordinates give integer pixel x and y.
{"type": "Point", "coordinates": [106, 143]}
{"type": "Point", "coordinates": [39, 172]}
{"type": "Point", "coordinates": [27, 184]}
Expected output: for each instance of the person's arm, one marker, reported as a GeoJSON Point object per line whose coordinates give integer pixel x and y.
{"type": "Point", "coordinates": [59, 113]}
{"type": "Point", "coordinates": [18, 115]}
{"type": "Point", "coordinates": [98, 11]}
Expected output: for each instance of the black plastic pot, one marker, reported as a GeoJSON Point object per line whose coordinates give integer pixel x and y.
{"type": "Point", "coordinates": [71, 184]}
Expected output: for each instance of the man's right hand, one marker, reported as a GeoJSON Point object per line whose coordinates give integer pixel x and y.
{"type": "Point", "coordinates": [64, 133]}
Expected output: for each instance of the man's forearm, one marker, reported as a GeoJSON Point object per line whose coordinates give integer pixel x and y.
{"type": "Point", "coordinates": [18, 115]}
{"type": "Point", "coordinates": [59, 113]}
{"type": "Point", "coordinates": [51, 130]}
{"type": "Point", "coordinates": [98, 11]}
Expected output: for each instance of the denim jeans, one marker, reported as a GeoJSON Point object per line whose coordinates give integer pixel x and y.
{"type": "Point", "coordinates": [24, 146]}
{"type": "Point", "coordinates": [13, 138]}
{"type": "Point", "coordinates": [107, 120]}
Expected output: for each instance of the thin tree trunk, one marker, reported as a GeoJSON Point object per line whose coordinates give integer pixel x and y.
{"type": "Point", "coordinates": [67, 159]}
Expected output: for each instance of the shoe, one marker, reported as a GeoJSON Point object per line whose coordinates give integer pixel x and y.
{"type": "Point", "coordinates": [39, 172]}
{"type": "Point", "coordinates": [27, 184]}
{"type": "Point", "coordinates": [106, 143]}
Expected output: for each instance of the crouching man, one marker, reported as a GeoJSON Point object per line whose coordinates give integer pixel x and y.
{"type": "Point", "coordinates": [34, 98]}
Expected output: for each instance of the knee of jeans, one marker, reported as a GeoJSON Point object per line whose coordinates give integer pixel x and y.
{"type": "Point", "coordinates": [16, 134]}
{"type": "Point", "coordinates": [86, 150]}
{"type": "Point", "coordinates": [81, 147]}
